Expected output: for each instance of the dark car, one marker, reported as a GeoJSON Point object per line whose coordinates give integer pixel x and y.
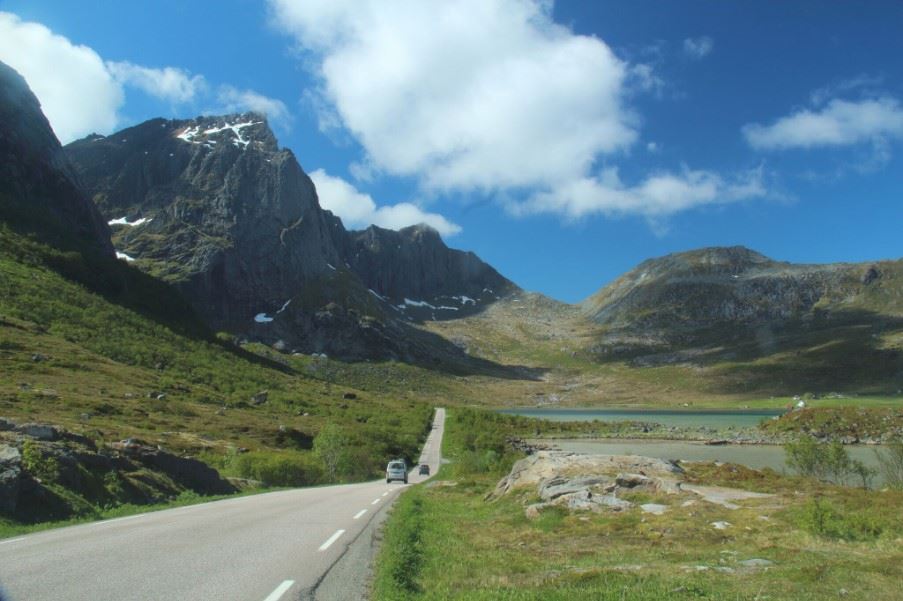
{"type": "Point", "coordinates": [424, 470]}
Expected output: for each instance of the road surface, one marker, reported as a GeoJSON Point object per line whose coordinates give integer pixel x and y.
{"type": "Point", "coordinates": [270, 547]}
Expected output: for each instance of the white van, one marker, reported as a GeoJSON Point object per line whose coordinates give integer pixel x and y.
{"type": "Point", "coordinates": [397, 470]}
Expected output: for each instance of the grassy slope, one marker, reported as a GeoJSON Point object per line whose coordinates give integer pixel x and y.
{"type": "Point", "coordinates": [447, 542]}
{"type": "Point", "coordinates": [97, 363]}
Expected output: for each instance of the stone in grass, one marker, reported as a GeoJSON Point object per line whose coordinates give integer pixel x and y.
{"type": "Point", "coordinates": [654, 508]}
{"type": "Point", "coordinates": [755, 562]}
{"type": "Point", "coordinates": [721, 525]}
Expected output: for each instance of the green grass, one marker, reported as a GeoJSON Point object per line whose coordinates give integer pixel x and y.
{"type": "Point", "coordinates": [80, 347]}
{"type": "Point", "coordinates": [468, 548]}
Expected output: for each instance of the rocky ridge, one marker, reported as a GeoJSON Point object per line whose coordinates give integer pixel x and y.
{"type": "Point", "coordinates": [683, 301]}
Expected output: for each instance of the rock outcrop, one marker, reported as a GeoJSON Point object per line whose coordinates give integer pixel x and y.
{"type": "Point", "coordinates": [594, 482]}
{"type": "Point", "coordinates": [50, 473]}
{"type": "Point", "coordinates": [39, 192]}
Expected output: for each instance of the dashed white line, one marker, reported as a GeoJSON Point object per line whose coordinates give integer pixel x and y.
{"type": "Point", "coordinates": [12, 540]}
{"type": "Point", "coordinates": [280, 590]}
{"type": "Point", "coordinates": [357, 516]}
{"type": "Point", "coordinates": [375, 501]}
{"type": "Point", "coordinates": [385, 493]}
{"type": "Point", "coordinates": [331, 540]}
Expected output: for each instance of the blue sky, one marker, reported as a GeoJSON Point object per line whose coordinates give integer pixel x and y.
{"type": "Point", "coordinates": [564, 143]}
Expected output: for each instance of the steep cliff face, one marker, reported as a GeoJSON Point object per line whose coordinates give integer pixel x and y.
{"type": "Point", "coordinates": [420, 276]}
{"type": "Point", "coordinates": [724, 294]}
{"type": "Point", "coordinates": [38, 188]}
{"type": "Point", "coordinates": [216, 207]}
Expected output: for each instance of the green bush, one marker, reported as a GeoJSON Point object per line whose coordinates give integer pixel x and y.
{"type": "Point", "coordinates": [826, 461]}
{"type": "Point", "coordinates": [827, 520]}
{"type": "Point", "coordinates": [44, 468]}
{"type": "Point", "coordinates": [277, 469]}
{"type": "Point", "coordinates": [890, 461]}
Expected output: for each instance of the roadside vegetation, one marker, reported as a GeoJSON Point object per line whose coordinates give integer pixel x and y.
{"type": "Point", "coordinates": [82, 348]}
{"type": "Point", "coordinates": [812, 541]}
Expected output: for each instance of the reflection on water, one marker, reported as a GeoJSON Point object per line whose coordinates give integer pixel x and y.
{"type": "Point", "coordinates": [710, 418]}
{"type": "Point", "coordinates": [753, 456]}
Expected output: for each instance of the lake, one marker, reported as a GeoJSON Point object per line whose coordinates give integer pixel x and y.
{"type": "Point", "coordinates": [667, 417]}
{"type": "Point", "coordinates": [753, 456]}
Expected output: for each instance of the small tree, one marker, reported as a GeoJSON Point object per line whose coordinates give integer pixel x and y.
{"type": "Point", "coordinates": [331, 447]}
{"type": "Point", "coordinates": [891, 463]}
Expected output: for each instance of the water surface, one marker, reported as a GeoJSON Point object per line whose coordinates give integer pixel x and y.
{"type": "Point", "coordinates": [711, 418]}
{"type": "Point", "coordinates": [752, 456]}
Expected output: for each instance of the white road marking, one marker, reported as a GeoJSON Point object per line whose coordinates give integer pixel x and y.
{"type": "Point", "coordinates": [114, 520]}
{"type": "Point", "coordinates": [14, 540]}
{"type": "Point", "coordinates": [356, 517]}
{"type": "Point", "coordinates": [385, 493]}
{"type": "Point", "coordinates": [375, 501]}
{"type": "Point", "coordinates": [280, 590]}
{"type": "Point", "coordinates": [331, 540]}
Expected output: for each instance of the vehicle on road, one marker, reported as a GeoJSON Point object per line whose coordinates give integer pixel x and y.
{"type": "Point", "coordinates": [397, 470]}
{"type": "Point", "coordinates": [424, 470]}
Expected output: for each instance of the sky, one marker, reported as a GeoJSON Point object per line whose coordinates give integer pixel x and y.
{"type": "Point", "coordinates": [563, 142]}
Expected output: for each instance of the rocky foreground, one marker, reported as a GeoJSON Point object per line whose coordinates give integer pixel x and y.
{"type": "Point", "coordinates": [47, 473]}
{"type": "Point", "coordinates": [598, 482]}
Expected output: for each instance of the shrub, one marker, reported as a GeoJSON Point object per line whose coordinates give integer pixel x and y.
{"type": "Point", "coordinates": [276, 469]}
{"type": "Point", "coordinates": [891, 463]}
{"type": "Point", "coordinates": [825, 461]}
{"type": "Point", "coordinates": [827, 520]}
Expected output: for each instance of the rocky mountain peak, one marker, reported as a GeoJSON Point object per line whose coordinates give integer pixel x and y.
{"type": "Point", "coordinates": [240, 130]}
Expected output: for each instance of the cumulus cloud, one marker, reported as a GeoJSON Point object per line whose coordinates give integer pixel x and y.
{"type": "Point", "coordinates": [697, 48]}
{"type": "Point", "coordinates": [465, 95]}
{"type": "Point", "coordinates": [491, 97]}
{"type": "Point", "coordinates": [77, 92]}
{"type": "Point", "coordinates": [358, 210]}
{"type": "Point", "coordinates": [838, 123]}
{"type": "Point", "coordinates": [234, 100]}
{"type": "Point", "coordinates": [80, 93]}
{"type": "Point", "coordinates": [658, 196]}
{"type": "Point", "coordinates": [169, 83]}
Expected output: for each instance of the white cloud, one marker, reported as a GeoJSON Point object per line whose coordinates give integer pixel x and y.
{"type": "Point", "coordinates": [169, 83]}
{"type": "Point", "coordinates": [234, 100]}
{"type": "Point", "coordinates": [465, 95]}
{"type": "Point", "coordinates": [358, 210]}
{"type": "Point", "coordinates": [657, 196]}
{"type": "Point", "coordinates": [697, 48]}
{"type": "Point", "coordinates": [489, 96]}
{"type": "Point", "coordinates": [80, 93]}
{"type": "Point", "coordinates": [837, 123]}
{"type": "Point", "coordinates": [653, 147]}
{"type": "Point", "coordinates": [77, 92]}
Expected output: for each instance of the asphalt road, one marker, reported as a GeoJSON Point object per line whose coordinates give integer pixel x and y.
{"type": "Point", "coordinates": [269, 547]}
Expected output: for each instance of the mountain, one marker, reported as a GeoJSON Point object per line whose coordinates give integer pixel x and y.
{"type": "Point", "coordinates": [214, 206]}
{"type": "Point", "coordinates": [39, 193]}
{"type": "Point", "coordinates": [735, 295]}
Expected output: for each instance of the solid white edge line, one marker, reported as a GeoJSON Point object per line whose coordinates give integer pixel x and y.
{"type": "Point", "coordinates": [357, 516]}
{"type": "Point", "coordinates": [280, 590]}
{"type": "Point", "coordinates": [14, 540]}
{"type": "Point", "coordinates": [331, 540]}
{"type": "Point", "coordinates": [375, 501]}
{"type": "Point", "coordinates": [114, 520]}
